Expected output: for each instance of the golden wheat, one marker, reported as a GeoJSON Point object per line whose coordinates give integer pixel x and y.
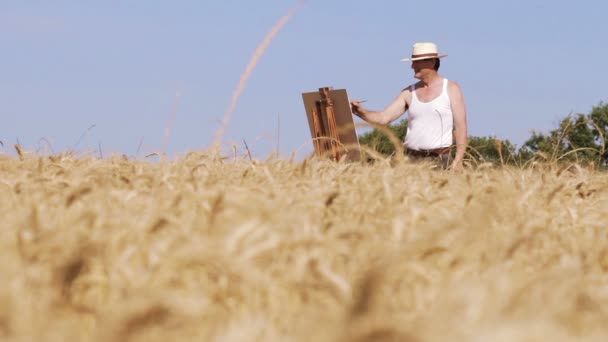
{"type": "Point", "coordinates": [212, 249]}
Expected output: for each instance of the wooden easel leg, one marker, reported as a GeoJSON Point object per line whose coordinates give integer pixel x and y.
{"type": "Point", "coordinates": [318, 133]}
{"type": "Point", "coordinates": [330, 116]}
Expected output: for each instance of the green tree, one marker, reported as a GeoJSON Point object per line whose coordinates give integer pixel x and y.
{"type": "Point", "coordinates": [599, 118]}
{"type": "Point", "coordinates": [537, 144]}
{"type": "Point", "coordinates": [491, 150]}
{"type": "Point", "coordinates": [580, 138]}
{"type": "Point", "coordinates": [575, 139]}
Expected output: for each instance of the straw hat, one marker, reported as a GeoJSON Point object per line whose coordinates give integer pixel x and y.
{"type": "Point", "coordinates": [424, 50]}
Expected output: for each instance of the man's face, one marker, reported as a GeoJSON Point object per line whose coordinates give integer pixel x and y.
{"type": "Point", "coordinates": [422, 67]}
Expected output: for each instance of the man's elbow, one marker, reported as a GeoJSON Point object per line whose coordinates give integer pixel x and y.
{"type": "Point", "coordinates": [383, 119]}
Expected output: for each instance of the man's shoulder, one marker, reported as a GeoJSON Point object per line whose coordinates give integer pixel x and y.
{"type": "Point", "coordinates": [453, 85]}
{"type": "Point", "coordinates": [408, 89]}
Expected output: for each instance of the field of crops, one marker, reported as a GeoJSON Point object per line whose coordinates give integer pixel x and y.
{"type": "Point", "coordinates": [204, 248]}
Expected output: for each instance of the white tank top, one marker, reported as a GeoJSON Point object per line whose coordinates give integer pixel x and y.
{"type": "Point", "coordinates": [430, 124]}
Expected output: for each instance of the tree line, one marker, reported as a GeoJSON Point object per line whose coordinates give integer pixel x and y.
{"type": "Point", "coordinates": [580, 138]}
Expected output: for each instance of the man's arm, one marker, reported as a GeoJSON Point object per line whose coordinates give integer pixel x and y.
{"type": "Point", "coordinates": [388, 115]}
{"type": "Point", "coordinates": [460, 122]}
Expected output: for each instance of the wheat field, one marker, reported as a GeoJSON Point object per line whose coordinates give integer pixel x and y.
{"type": "Point", "coordinates": [205, 248]}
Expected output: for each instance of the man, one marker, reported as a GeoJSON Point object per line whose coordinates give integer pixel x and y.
{"type": "Point", "coordinates": [436, 111]}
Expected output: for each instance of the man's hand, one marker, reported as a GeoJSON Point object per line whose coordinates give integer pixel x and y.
{"type": "Point", "coordinates": [457, 166]}
{"type": "Point", "coordinates": [357, 108]}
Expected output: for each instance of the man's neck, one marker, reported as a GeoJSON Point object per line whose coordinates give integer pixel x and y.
{"type": "Point", "coordinates": [430, 78]}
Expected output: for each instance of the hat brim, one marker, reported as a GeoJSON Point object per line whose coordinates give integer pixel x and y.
{"type": "Point", "coordinates": [421, 58]}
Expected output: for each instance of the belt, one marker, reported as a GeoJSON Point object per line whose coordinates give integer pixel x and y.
{"type": "Point", "coordinates": [428, 153]}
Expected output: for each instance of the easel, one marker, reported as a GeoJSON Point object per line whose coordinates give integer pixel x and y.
{"type": "Point", "coordinates": [331, 124]}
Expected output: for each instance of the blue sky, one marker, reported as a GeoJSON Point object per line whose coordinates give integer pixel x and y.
{"type": "Point", "coordinates": [106, 74]}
